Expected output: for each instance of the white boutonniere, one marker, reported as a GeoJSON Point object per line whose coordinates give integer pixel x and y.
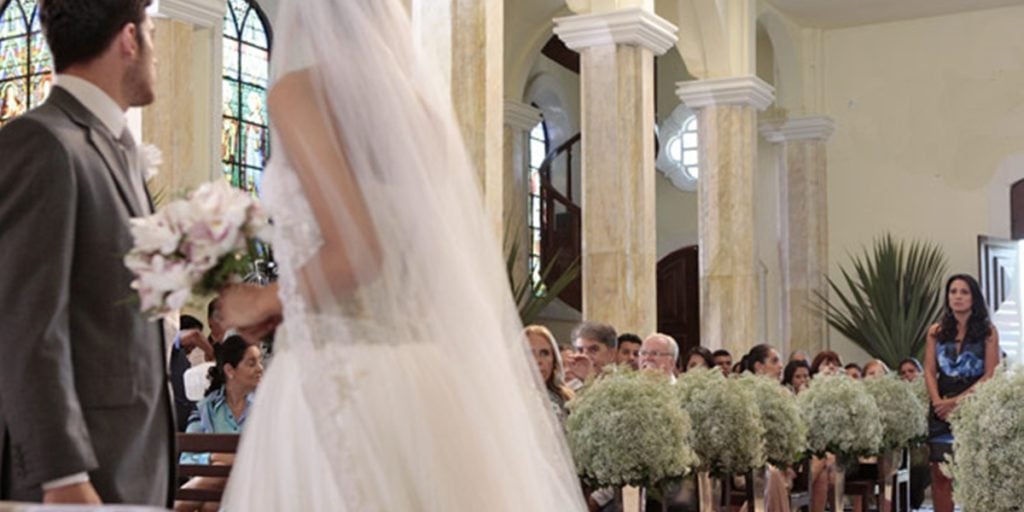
{"type": "Point", "coordinates": [152, 159]}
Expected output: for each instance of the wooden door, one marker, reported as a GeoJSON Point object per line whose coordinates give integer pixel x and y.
{"type": "Point", "coordinates": [679, 297]}
{"type": "Point", "coordinates": [1000, 284]}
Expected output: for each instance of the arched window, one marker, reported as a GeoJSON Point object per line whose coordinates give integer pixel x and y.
{"type": "Point", "coordinates": [680, 161]}
{"type": "Point", "coordinates": [245, 135]}
{"type": "Point", "coordinates": [25, 62]}
{"type": "Point", "coordinates": [538, 151]}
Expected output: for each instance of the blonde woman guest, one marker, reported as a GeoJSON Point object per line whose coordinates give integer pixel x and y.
{"type": "Point", "coordinates": [875, 368]}
{"type": "Point", "coordinates": [549, 363]}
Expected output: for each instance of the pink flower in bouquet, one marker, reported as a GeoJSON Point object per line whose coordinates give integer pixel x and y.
{"type": "Point", "coordinates": [194, 245]}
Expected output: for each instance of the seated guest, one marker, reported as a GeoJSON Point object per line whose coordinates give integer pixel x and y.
{"type": "Point", "coordinates": [659, 353]}
{"type": "Point", "coordinates": [189, 348]}
{"type": "Point", "coordinates": [723, 359]}
{"type": "Point", "coordinates": [823, 470]}
{"type": "Point", "coordinates": [875, 368]}
{"type": "Point", "coordinates": [595, 345]}
{"type": "Point", "coordinates": [800, 355]}
{"type": "Point", "coordinates": [233, 379]}
{"type": "Point", "coordinates": [763, 360]}
{"type": "Point", "coordinates": [910, 369]}
{"type": "Point", "coordinates": [853, 371]}
{"type": "Point", "coordinates": [629, 345]}
{"type": "Point", "coordinates": [796, 376]}
{"type": "Point", "coordinates": [826, 362]}
{"type": "Point", "coordinates": [699, 357]}
{"type": "Point", "coordinates": [549, 362]}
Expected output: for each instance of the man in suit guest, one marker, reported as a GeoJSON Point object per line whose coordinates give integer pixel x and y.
{"type": "Point", "coordinates": [85, 409]}
{"type": "Point", "coordinates": [190, 348]}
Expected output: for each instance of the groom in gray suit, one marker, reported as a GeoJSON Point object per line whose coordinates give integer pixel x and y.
{"type": "Point", "coordinates": [85, 413]}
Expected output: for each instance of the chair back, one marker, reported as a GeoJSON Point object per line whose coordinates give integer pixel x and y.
{"type": "Point", "coordinates": [213, 443]}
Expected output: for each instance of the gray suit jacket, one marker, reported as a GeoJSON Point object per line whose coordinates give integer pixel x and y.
{"type": "Point", "coordinates": [83, 380]}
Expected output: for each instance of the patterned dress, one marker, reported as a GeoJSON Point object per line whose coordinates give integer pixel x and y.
{"type": "Point", "coordinates": [958, 369]}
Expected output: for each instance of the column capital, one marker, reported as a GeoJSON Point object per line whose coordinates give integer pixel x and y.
{"type": "Point", "coordinates": [738, 90]}
{"type": "Point", "coordinates": [799, 128]}
{"type": "Point", "coordinates": [202, 13]}
{"type": "Point", "coordinates": [633, 26]}
{"type": "Point", "coordinates": [520, 115]}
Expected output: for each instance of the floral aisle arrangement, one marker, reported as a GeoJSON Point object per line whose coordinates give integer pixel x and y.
{"type": "Point", "coordinates": [195, 245]}
{"type": "Point", "coordinates": [841, 417]}
{"type": "Point", "coordinates": [785, 436]}
{"type": "Point", "coordinates": [627, 429]}
{"type": "Point", "coordinates": [902, 413]}
{"type": "Point", "coordinates": [989, 444]}
{"type": "Point", "coordinates": [727, 432]}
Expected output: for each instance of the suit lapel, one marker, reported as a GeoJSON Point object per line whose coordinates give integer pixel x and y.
{"type": "Point", "coordinates": [104, 144]}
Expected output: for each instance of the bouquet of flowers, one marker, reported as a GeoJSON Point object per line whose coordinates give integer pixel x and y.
{"type": "Point", "coordinates": [727, 433]}
{"type": "Point", "coordinates": [841, 417]}
{"type": "Point", "coordinates": [627, 429]}
{"type": "Point", "coordinates": [195, 246]}
{"type": "Point", "coordinates": [785, 437]}
{"type": "Point", "coordinates": [903, 415]}
{"type": "Point", "coordinates": [989, 444]}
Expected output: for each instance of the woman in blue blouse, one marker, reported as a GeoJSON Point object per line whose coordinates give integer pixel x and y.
{"type": "Point", "coordinates": [962, 350]}
{"type": "Point", "coordinates": [233, 380]}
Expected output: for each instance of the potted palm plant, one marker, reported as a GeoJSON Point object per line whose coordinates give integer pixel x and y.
{"type": "Point", "coordinates": [891, 293]}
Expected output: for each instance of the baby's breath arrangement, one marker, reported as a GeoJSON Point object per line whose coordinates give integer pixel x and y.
{"type": "Point", "coordinates": [903, 414]}
{"type": "Point", "coordinates": [841, 417]}
{"type": "Point", "coordinates": [785, 438]}
{"type": "Point", "coordinates": [727, 433]}
{"type": "Point", "coordinates": [627, 429]}
{"type": "Point", "coordinates": [989, 444]}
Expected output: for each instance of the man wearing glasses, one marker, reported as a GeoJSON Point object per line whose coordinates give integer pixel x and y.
{"type": "Point", "coordinates": [659, 353]}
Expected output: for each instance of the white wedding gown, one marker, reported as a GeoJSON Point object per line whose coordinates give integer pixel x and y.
{"type": "Point", "coordinates": [349, 418]}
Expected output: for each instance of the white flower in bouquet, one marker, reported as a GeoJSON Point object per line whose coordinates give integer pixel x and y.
{"type": "Point", "coordinates": [727, 432]}
{"type": "Point", "coordinates": [785, 438]}
{"type": "Point", "coordinates": [152, 159]}
{"type": "Point", "coordinates": [194, 246]}
{"type": "Point", "coordinates": [903, 415]}
{"type": "Point", "coordinates": [841, 417]}
{"type": "Point", "coordinates": [988, 427]}
{"type": "Point", "coordinates": [627, 429]}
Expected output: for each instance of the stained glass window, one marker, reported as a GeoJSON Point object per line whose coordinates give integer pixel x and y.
{"type": "Point", "coordinates": [538, 151]}
{"type": "Point", "coordinates": [25, 62]}
{"type": "Point", "coordinates": [245, 136]}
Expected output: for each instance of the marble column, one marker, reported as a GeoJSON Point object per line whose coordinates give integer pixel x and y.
{"type": "Point", "coordinates": [803, 226]}
{"type": "Point", "coordinates": [466, 38]}
{"type": "Point", "coordinates": [183, 122]}
{"type": "Point", "coordinates": [617, 50]}
{"type": "Point", "coordinates": [520, 118]}
{"type": "Point", "coordinates": [727, 132]}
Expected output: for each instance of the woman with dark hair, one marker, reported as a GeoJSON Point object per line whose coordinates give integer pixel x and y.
{"type": "Point", "coordinates": [827, 362]}
{"type": "Point", "coordinates": [796, 375]}
{"type": "Point", "coordinates": [763, 360]}
{"type": "Point", "coordinates": [699, 357]}
{"type": "Point", "coordinates": [910, 369]}
{"type": "Point", "coordinates": [233, 380]}
{"type": "Point", "coordinates": [961, 351]}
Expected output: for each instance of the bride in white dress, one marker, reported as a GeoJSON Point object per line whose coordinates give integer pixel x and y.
{"type": "Point", "coordinates": [399, 381]}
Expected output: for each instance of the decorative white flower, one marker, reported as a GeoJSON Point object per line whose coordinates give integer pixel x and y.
{"type": "Point", "coordinates": [989, 444]}
{"type": "Point", "coordinates": [903, 415]}
{"type": "Point", "coordinates": [785, 437]}
{"type": "Point", "coordinates": [152, 159]}
{"type": "Point", "coordinates": [841, 417]}
{"type": "Point", "coordinates": [627, 429]}
{"type": "Point", "coordinates": [727, 433]}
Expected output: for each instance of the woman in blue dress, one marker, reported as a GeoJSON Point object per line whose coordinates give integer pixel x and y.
{"type": "Point", "coordinates": [962, 350]}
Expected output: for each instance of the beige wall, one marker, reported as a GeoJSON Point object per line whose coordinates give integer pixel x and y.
{"type": "Point", "coordinates": [926, 111]}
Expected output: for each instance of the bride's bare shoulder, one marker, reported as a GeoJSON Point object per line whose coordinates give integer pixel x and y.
{"type": "Point", "coordinates": [294, 90]}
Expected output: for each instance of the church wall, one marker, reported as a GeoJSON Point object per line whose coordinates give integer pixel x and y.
{"type": "Point", "coordinates": [926, 111]}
